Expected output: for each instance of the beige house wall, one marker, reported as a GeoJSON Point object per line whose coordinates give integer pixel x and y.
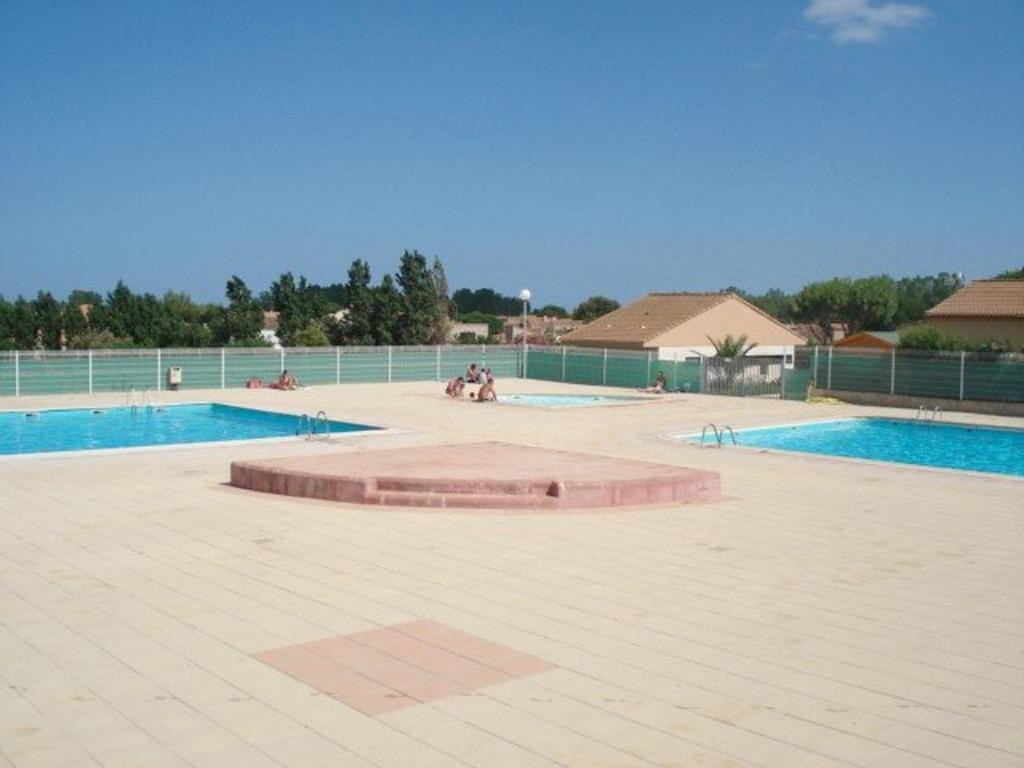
{"type": "Point", "coordinates": [728, 318]}
{"type": "Point", "coordinates": [982, 328]}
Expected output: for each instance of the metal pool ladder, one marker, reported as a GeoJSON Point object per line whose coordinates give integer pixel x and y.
{"type": "Point", "coordinates": [322, 425]}
{"type": "Point", "coordinates": [932, 415]}
{"type": "Point", "coordinates": [719, 434]}
{"type": "Point", "coordinates": [312, 427]}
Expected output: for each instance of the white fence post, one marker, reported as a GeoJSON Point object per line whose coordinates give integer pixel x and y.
{"type": "Point", "coordinates": [337, 366]}
{"type": "Point", "coordinates": [963, 357]}
{"type": "Point", "coordinates": [389, 363]}
{"type": "Point", "coordinates": [223, 370]}
{"type": "Point", "coordinates": [159, 379]}
{"type": "Point", "coordinates": [438, 375]}
{"type": "Point", "coordinates": [648, 382]}
{"type": "Point", "coordinates": [892, 373]}
{"type": "Point", "coordinates": [604, 368]}
{"type": "Point", "coordinates": [563, 362]}
{"type": "Point", "coordinates": [828, 385]}
{"type": "Point", "coordinates": [282, 359]}
{"type": "Point", "coordinates": [90, 371]}
{"type": "Point", "coordinates": [17, 374]}
{"type": "Point", "coordinates": [526, 350]}
{"type": "Point", "coordinates": [782, 375]}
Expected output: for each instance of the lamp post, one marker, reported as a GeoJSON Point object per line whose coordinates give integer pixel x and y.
{"type": "Point", "coordinates": [524, 296]}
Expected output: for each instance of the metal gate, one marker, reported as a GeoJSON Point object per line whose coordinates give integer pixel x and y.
{"type": "Point", "coordinates": [744, 376]}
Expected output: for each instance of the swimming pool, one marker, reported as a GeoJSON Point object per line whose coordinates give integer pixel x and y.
{"type": "Point", "coordinates": [569, 401]}
{"type": "Point", "coordinates": [952, 446]}
{"type": "Point", "coordinates": [84, 429]}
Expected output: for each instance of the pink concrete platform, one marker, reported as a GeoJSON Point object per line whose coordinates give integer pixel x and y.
{"type": "Point", "coordinates": [478, 476]}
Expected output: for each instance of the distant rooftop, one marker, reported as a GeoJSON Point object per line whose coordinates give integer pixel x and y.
{"type": "Point", "coordinates": [984, 298]}
{"type": "Point", "coordinates": [647, 318]}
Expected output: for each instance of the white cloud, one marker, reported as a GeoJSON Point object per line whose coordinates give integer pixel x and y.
{"type": "Point", "coordinates": [862, 21]}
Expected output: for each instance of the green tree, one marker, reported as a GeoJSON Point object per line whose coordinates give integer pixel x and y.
{"type": "Point", "coordinates": [121, 311]}
{"type": "Point", "coordinates": [6, 324]}
{"type": "Point", "coordinates": [357, 327]}
{"type": "Point", "coordinates": [920, 293]}
{"type": "Point", "coordinates": [388, 307]}
{"type": "Point", "coordinates": [872, 304]}
{"type": "Point", "coordinates": [441, 314]}
{"type": "Point", "coordinates": [1012, 274]}
{"type": "Point", "coordinates": [243, 317]}
{"type": "Point", "coordinates": [484, 300]}
{"type": "Point", "coordinates": [731, 348]}
{"type": "Point", "coordinates": [823, 304]}
{"type": "Point", "coordinates": [47, 315]}
{"type": "Point", "coordinates": [776, 303]}
{"type": "Point", "coordinates": [23, 324]}
{"type": "Point", "coordinates": [284, 294]}
{"type": "Point", "coordinates": [418, 299]}
{"type": "Point", "coordinates": [552, 310]}
{"type": "Point", "coordinates": [593, 308]}
{"type": "Point", "coordinates": [102, 339]}
{"type": "Point", "coordinates": [495, 325]}
{"type": "Point", "coordinates": [310, 336]}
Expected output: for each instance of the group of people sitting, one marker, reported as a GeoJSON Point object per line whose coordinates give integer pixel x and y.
{"type": "Point", "coordinates": [456, 387]}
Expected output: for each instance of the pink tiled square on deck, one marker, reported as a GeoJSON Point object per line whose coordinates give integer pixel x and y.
{"type": "Point", "coordinates": [382, 670]}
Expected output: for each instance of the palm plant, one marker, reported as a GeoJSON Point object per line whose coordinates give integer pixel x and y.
{"type": "Point", "coordinates": [730, 348]}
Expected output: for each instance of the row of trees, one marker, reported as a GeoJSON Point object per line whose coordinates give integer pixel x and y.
{"type": "Point", "coordinates": [122, 318]}
{"type": "Point", "coordinates": [877, 303]}
{"type": "Point", "coordinates": [410, 308]}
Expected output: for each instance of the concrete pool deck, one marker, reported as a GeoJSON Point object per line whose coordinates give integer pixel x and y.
{"type": "Point", "coordinates": [826, 613]}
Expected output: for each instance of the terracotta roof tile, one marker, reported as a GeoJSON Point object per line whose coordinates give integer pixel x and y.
{"type": "Point", "coordinates": [645, 318]}
{"type": "Point", "coordinates": [984, 298]}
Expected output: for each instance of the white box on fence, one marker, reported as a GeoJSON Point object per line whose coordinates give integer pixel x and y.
{"type": "Point", "coordinates": [174, 376]}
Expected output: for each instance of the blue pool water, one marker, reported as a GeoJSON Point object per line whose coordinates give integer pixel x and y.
{"type": "Point", "coordinates": [81, 429]}
{"type": "Point", "coordinates": [954, 446]}
{"type": "Point", "coordinates": [568, 401]}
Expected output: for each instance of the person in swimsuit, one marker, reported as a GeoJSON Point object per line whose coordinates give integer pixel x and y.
{"type": "Point", "coordinates": [455, 387]}
{"type": "Point", "coordinates": [487, 392]}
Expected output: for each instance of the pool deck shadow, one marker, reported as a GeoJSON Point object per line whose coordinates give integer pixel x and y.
{"type": "Point", "coordinates": [485, 475]}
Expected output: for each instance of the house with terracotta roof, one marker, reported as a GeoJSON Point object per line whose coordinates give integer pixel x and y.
{"type": "Point", "coordinates": [984, 310]}
{"type": "Point", "coordinates": [871, 340]}
{"type": "Point", "coordinates": [679, 325]}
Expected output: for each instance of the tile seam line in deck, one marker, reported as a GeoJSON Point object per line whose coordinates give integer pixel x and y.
{"type": "Point", "coordinates": [541, 585]}
{"type": "Point", "coordinates": [227, 682]}
{"type": "Point", "coordinates": [113, 705]}
{"type": "Point", "coordinates": [797, 691]}
{"type": "Point", "coordinates": [494, 734]}
{"type": "Point", "coordinates": [883, 716]}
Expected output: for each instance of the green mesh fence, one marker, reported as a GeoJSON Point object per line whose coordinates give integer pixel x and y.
{"type": "Point", "coordinates": [950, 375]}
{"type": "Point", "coordinates": [50, 373]}
{"type": "Point", "coordinates": [611, 368]}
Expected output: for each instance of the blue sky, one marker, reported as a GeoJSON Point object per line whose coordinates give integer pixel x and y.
{"type": "Point", "coordinates": [576, 148]}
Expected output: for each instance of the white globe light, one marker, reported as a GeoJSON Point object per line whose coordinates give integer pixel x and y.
{"type": "Point", "coordinates": [524, 295]}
